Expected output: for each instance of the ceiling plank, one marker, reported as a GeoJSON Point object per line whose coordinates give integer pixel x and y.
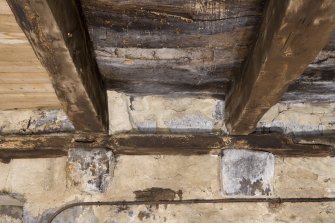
{"type": "Point", "coordinates": [57, 34]}
{"type": "Point", "coordinates": [35, 146]}
{"type": "Point", "coordinates": [26, 100]}
{"type": "Point", "coordinates": [291, 35]}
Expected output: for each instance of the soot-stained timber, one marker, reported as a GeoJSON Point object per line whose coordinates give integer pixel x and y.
{"type": "Point", "coordinates": [202, 90]}
{"type": "Point", "coordinates": [135, 20]}
{"type": "Point", "coordinates": [192, 10]}
{"type": "Point", "coordinates": [103, 37]}
{"type": "Point", "coordinates": [317, 83]}
{"type": "Point", "coordinates": [204, 144]}
{"type": "Point", "coordinates": [160, 44]}
{"type": "Point", "coordinates": [139, 22]}
{"type": "Point", "coordinates": [290, 37]}
{"type": "Point", "coordinates": [53, 145]}
{"type": "Point", "coordinates": [58, 36]}
{"type": "Point", "coordinates": [189, 66]}
{"type": "Point", "coordinates": [168, 70]}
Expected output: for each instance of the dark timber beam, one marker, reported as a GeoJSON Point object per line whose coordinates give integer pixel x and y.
{"type": "Point", "coordinates": [291, 35]}
{"type": "Point", "coordinates": [58, 36]}
{"type": "Point", "coordinates": [54, 145]}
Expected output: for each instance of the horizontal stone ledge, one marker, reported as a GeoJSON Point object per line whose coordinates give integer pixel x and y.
{"type": "Point", "coordinates": [55, 145]}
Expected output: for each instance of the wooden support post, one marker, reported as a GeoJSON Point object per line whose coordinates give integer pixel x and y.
{"type": "Point", "coordinates": [291, 35]}
{"type": "Point", "coordinates": [58, 36]}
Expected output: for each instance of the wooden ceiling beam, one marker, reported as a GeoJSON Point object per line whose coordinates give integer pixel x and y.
{"type": "Point", "coordinates": [54, 145]}
{"type": "Point", "coordinates": [56, 31]}
{"type": "Point", "coordinates": [291, 35]}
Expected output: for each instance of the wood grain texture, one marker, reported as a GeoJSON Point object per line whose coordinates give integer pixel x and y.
{"type": "Point", "coordinates": [167, 45]}
{"type": "Point", "coordinates": [24, 83]}
{"type": "Point", "coordinates": [290, 37]}
{"type": "Point", "coordinates": [317, 83]}
{"type": "Point", "coordinates": [201, 90]}
{"type": "Point", "coordinates": [21, 146]}
{"type": "Point", "coordinates": [162, 71]}
{"type": "Point", "coordinates": [28, 101]}
{"type": "Point", "coordinates": [57, 34]}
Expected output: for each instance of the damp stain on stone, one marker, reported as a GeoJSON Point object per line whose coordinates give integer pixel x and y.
{"type": "Point", "coordinates": [157, 194]}
{"type": "Point", "coordinates": [250, 188]}
{"type": "Point", "coordinates": [143, 214]}
{"type": "Point", "coordinates": [15, 212]}
{"type": "Point", "coordinates": [122, 208]}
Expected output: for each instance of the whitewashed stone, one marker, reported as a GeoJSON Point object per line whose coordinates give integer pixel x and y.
{"type": "Point", "coordinates": [247, 173]}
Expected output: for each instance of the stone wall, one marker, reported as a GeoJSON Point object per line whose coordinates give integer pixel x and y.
{"type": "Point", "coordinates": [32, 189]}
{"type": "Point", "coordinates": [43, 188]}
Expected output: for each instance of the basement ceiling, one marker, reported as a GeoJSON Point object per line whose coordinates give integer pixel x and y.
{"type": "Point", "coordinates": [248, 55]}
{"type": "Point", "coordinates": [171, 47]}
{"type": "Point", "coordinates": [188, 48]}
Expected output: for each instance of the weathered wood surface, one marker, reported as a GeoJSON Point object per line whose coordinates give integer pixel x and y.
{"type": "Point", "coordinates": [290, 37]}
{"type": "Point", "coordinates": [162, 71]}
{"type": "Point", "coordinates": [128, 23]}
{"type": "Point", "coordinates": [202, 90]}
{"type": "Point", "coordinates": [20, 146]}
{"type": "Point", "coordinates": [24, 83]}
{"type": "Point", "coordinates": [317, 83]}
{"type": "Point", "coordinates": [158, 44]}
{"type": "Point", "coordinates": [57, 34]}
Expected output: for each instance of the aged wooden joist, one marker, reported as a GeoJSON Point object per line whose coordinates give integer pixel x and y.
{"type": "Point", "coordinates": [56, 31]}
{"type": "Point", "coordinates": [54, 145]}
{"type": "Point", "coordinates": [162, 47]}
{"type": "Point", "coordinates": [203, 90]}
{"type": "Point", "coordinates": [155, 24]}
{"type": "Point", "coordinates": [291, 35]}
{"type": "Point", "coordinates": [317, 83]}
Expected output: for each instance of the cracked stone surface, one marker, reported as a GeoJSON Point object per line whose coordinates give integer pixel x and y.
{"type": "Point", "coordinates": [164, 114]}
{"type": "Point", "coordinates": [156, 114]}
{"type": "Point", "coordinates": [299, 118]}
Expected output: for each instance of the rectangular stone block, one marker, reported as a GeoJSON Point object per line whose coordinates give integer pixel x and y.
{"type": "Point", "coordinates": [247, 173]}
{"type": "Point", "coordinates": [89, 170]}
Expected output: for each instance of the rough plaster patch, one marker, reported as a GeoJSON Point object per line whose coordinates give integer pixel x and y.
{"type": "Point", "coordinates": [34, 121]}
{"type": "Point", "coordinates": [119, 120]}
{"type": "Point", "coordinates": [164, 114]}
{"type": "Point", "coordinates": [299, 177]}
{"type": "Point", "coordinates": [247, 173]}
{"type": "Point", "coordinates": [90, 170]}
{"type": "Point", "coordinates": [195, 176]}
{"type": "Point", "coordinates": [11, 199]}
{"type": "Point", "coordinates": [300, 118]}
{"type": "Point", "coordinates": [191, 123]}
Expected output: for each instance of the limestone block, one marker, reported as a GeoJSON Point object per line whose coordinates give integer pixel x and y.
{"type": "Point", "coordinates": [247, 173]}
{"type": "Point", "coordinates": [299, 118]}
{"type": "Point", "coordinates": [90, 170]}
{"type": "Point", "coordinates": [156, 114]}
